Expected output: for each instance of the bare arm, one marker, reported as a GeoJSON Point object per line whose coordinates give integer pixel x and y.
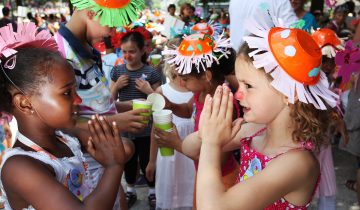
{"type": "Point", "coordinates": [114, 89]}
{"type": "Point", "coordinates": [191, 146]}
{"type": "Point", "coordinates": [181, 110]}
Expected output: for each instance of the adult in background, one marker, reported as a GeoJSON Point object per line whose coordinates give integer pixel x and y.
{"type": "Point", "coordinates": [245, 9]}
{"type": "Point", "coordinates": [301, 13]}
{"type": "Point", "coordinates": [6, 19]}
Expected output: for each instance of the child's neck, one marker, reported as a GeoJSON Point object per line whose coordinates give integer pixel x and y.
{"type": "Point", "coordinates": [42, 137]}
{"type": "Point", "coordinates": [279, 134]}
{"type": "Point", "coordinates": [134, 67]}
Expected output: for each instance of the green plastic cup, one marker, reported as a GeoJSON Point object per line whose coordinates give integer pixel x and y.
{"type": "Point", "coordinates": [165, 151]}
{"type": "Point", "coordinates": [142, 104]}
{"type": "Point", "coordinates": [155, 59]}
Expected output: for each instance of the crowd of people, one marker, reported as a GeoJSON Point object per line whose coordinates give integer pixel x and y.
{"type": "Point", "coordinates": [257, 95]}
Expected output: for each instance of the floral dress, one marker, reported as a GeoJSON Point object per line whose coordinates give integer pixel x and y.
{"type": "Point", "coordinates": [70, 171]}
{"type": "Point", "coordinates": [252, 162]}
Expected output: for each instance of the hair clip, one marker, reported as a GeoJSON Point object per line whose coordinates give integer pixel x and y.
{"type": "Point", "coordinates": [10, 63]}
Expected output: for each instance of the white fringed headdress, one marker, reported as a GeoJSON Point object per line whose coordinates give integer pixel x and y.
{"type": "Point", "coordinates": [293, 60]}
{"type": "Point", "coordinates": [199, 50]}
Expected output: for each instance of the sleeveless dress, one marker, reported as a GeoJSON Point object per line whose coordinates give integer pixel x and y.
{"type": "Point", "coordinates": [252, 162]}
{"type": "Point", "coordinates": [70, 171]}
{"type": "Point", "coordinates": [175, 174]}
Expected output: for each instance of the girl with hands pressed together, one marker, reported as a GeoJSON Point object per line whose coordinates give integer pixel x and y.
{"type": "Point", "coordinates": [39, 90]}
{"type": "Point", "coordinates": [285, 97]}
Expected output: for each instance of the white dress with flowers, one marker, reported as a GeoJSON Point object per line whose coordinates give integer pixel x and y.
{"type": "Point", "coordinates": [70, 171]}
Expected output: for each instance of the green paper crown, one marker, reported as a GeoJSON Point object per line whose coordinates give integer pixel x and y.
{"type": "Point", "coordinates": [112, 17]}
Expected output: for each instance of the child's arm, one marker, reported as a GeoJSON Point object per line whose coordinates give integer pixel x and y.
{"type": "Point", "coordinates": [281, 178]}
{"type": "Point", "coordinates": [184, 110]}
{"type": "Point", "coordinates": [39, 183]}
{"type": "Point", "coordinates": [120, 83]}
{"type": "Point", "coordinates": [150, 168]}
{"type": "Point", "coordinates": [191, 146]}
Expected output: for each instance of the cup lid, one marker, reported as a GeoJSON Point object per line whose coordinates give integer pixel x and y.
{"type": "Point", "coordinates": [157, 100]}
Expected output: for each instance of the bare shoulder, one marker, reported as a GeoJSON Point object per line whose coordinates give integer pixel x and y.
{"type": "Point", "coordinates": [297, 166]}
{"type": "Point", "coordinates": [15, 167]}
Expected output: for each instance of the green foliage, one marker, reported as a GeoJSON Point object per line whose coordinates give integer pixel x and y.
{"type": "Point", "coordinates": [181, 2]}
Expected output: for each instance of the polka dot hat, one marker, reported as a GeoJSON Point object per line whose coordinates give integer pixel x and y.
{"type": "Point", "coordinates": [293, 59]}
{"type": "Point", "coordinates": [199, 50]}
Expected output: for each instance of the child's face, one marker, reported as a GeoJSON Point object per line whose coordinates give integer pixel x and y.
{"type": "Point", "coordinates": [131, 52]}
{"type": "Point", "coordinates": [148, 46]}
{"type": "Point", "coordinates": [96, 32]}
{"type": "Point", "coordinates": [261, 103]}
{"type": "Point", "coordinates": [339, 17]}
{"type": "Point", "coordinates": [57, 103]}
{"type": "Point", "coordinates": [194, 84]}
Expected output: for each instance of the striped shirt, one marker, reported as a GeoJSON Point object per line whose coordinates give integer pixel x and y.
{"type": "Point", "coordinates": [130, 92]}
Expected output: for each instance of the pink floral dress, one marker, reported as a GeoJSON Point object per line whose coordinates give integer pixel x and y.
{"type": "Point", "coordinates": [252, 162]}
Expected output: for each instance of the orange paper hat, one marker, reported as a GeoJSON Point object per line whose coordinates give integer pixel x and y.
{"type": "Point", "coordinates": [197, 49]}
{"type": "Point", "coordinates": [293, 59]}
{"type": "Point", "coordinates": [210, 28]}
{"type": "Point", "coordinates": [113, 13]}
{"type": "Point", "coordinates": [328, 41]}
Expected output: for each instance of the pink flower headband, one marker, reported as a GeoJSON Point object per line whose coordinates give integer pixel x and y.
{"type": "Point", "coordinates": [27, 35]}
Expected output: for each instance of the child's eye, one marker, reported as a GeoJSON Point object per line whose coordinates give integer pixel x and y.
{"type": "Point", "coordinates": [248, 86]}
{"type": "Point", "coordinates": [67, 93]}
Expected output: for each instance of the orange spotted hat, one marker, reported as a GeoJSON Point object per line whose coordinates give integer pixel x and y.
{"type": "Point", "coordinates": [328, 41]}
{"type": "Point", "coordinates": [199, 50]}
{"type": "Point", "coordinates": [210, 28]}
{"type": "Point", "coordinates": [293, 58]}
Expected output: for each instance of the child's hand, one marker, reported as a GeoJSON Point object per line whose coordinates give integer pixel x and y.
{"type": "Point", "coordinates": [105, 143]}
{"type": "Point", "coordinates": [215, 125]}
{"type": "Point", "coordinates": [130, 121]}
{"type": "Point", "coordinates": [168, 139]}
{"type": "Point", "coordinates": [143, 86]}
{"type": "Point", "coordinates": [150, 171]}
{"type": "Point", "coordinates": [122, 81]}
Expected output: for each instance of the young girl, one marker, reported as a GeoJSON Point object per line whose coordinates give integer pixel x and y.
{"type": "Point", "coordinates": [38, 88]}
{"type": "Point", "coordinates": [201, 70]}
{"type": "Point", "coordinates": [175, 191]}
{"type": "Point", "coordinates": [134, 80]}
{"type": "Point", "coordinates": [281, 91]}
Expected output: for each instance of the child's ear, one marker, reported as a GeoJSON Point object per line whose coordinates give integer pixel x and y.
{"type": "Point", "coordinates": [208, 75]}
{"type": "Point", "coordinates": [22, 103]}
{"type": "Point", "coordinates": [90, 14]}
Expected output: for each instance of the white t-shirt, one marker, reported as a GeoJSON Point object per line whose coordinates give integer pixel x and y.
{"type": "Point", "coordinates": [242, 10]}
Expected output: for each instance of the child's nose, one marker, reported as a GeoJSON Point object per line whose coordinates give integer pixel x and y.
{"type": "Point", "coordinates": [77, 99]}
{"type": "Point", "coordinates": [239, 95]}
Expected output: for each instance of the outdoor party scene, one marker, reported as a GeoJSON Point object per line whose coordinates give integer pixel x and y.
{"type": "Point", "coordinates": [180, 104]}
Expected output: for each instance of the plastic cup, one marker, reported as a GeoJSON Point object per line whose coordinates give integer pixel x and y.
{"type": "Point", "coordinates": [162, 116]}
{"type": "Point", "coordinates": [157, 100]}
{"type": "Point", "coordinates": [142, 104]}
{"type": "Point", "coordinates": [155, 59]}
{"type": "Point", "coordinates": [163, 121]}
